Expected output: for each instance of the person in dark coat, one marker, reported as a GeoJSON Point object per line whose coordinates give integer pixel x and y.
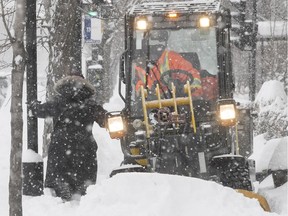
{"type": "Point", "coordinates": [72, 162]}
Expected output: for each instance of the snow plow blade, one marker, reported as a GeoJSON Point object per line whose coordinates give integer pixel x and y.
{"type": "Point", "coordinates": [263, 202]}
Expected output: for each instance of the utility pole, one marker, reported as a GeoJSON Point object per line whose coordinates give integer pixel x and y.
{"type": "Point", "coordinates": [253, 68]}
{"type": "Point", "coordinates": [32, 171]}
{"type": "Point", "coordinates": [31, 48]}
{"type": "Point", "coordinates": [246, 30]}
{"type": "Point", "coordinates": [78, 39]}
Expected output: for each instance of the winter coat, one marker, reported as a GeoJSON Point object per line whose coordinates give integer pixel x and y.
{"type": "Point", "coordinates": [72, 163]}
{"type": "Point", "coordinates": [171, 60]}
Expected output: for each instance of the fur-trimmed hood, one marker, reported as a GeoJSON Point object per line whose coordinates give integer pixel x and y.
{"type": "Point", "coordinates": [74, 88]}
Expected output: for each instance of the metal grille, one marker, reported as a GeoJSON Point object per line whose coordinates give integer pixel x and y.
{"type": "Point", "coordinates": [181, 7]}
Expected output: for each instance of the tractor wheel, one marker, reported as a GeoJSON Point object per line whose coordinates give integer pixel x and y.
{"type": "Point", "coordinates": [233, 172]}
{"type": "Point", "coordinates": [279, 177]}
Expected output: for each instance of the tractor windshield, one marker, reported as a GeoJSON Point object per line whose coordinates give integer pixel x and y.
{"type": "Point", "coordinates": [163, 56]}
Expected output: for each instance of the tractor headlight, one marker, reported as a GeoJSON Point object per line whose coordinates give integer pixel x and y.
{"type": "Point", "coordinates": [227, 112]}
{"type": "Point", "coordinates": [204, 22]}
{"type": "Point", "coordinates": [141, 23]}
{"type": "Point", "coordinates": [115, 125]}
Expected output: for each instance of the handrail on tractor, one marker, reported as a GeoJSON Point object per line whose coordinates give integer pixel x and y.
{"type": "Point", "coordinates": [171, 102]}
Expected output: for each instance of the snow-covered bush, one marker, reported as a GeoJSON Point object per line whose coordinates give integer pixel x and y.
{"type": "Point", "coordinates": [271, 106]}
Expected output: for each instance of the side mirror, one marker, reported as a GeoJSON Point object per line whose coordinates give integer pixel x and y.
{"type": "Point", "coordinates": [115, 124]}
{"type": "Point", "coordinates": [122, 67]}
{"type": "Point", "coordinates": [122, 77]}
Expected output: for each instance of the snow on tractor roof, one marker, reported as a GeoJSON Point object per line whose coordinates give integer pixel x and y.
{"type": "Point", "coordinates": [210, 6]}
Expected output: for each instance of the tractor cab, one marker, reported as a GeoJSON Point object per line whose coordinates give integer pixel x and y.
{"type": "Point", "coordinates": [164, 56]}
{"type": "Point", "coordinates": [178, 43]}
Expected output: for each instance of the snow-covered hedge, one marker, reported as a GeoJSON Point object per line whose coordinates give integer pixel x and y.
{"type": "Point", "coordinates": [271, 105]}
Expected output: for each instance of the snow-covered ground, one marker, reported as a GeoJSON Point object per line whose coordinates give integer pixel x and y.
{"type": "Point", "coordinates": [137, 194]}
{"type": "Point", "coordinates": [150, 195]}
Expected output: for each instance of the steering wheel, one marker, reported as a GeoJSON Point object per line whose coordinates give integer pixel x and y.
{"type": "Point", "coordinates": [177, 76]}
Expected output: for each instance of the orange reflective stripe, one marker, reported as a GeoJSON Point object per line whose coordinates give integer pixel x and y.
{"type": "Point", "coordinates": [141, 73]}
{"type": "Point", "coordinates": [165, 66]}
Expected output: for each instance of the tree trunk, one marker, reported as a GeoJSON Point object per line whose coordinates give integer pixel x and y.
{"type": "Point", "coordinates": [64, 37]}
{"type": "Point", "coordinates": [15, 181]}
{"type": "Point", "coordinates": [64, 49]}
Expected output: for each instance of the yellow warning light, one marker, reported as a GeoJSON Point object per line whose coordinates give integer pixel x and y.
{"type": "Point", "coordinates": [204, 22]}
{"type": "Point", "coordinates": [172, 15]}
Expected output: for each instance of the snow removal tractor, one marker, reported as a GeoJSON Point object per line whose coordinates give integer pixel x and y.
{"type": "Point", "coordinates": [180, 116]}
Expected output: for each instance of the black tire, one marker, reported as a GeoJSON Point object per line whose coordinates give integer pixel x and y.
{"type": "Point", "coordinates": [233, 172]}
{"type": "Point", "coordinates": [279, 177]}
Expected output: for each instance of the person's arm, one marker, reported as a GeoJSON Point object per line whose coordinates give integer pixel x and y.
{"type": "Point", "coordinates": [100, 115]}
{"type": "Point", "coordinates": [48, 109]}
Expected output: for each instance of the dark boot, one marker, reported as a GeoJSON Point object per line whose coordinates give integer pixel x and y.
{"type": "Point", "coordinates": [64, 191]}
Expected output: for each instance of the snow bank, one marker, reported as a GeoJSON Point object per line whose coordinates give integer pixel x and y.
{"type": "Point", "coordinates": [271, 92]}
{"type": "Point", "coordinates": [270, 154]}
{"type": "Point", "coordinates": [160, 194]}
{"type": "Point", "coordinates": [276, 197]}
{"type": "Point", "coordinates": [147, 194]}
{"type": "Point", "coordinates": [30, 156]}
{"type": "Point", "coordinates": [279, 158]}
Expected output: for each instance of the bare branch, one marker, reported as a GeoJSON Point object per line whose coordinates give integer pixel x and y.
{"type": "Point", "coordinates": [5, 47]}
{"type": "Point", "coordinates": [3, 15]}
{"type": "Point", "coordinates": [4, 65]}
